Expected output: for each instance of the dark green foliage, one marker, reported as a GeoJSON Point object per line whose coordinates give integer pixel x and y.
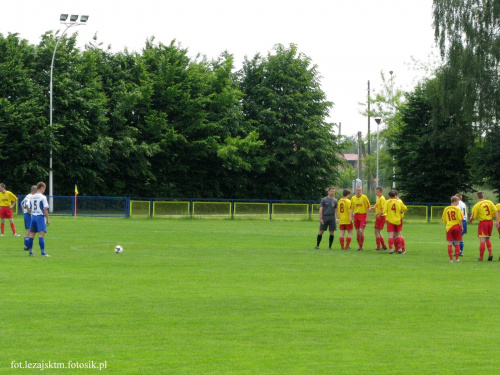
{"type": "Point", "coordinates": [160, 124]}
{"type": "Point", "coordinates": [468, 35]}
{"type": "Point", "coordinates": [285, 103]}
{"type": "Point", "coordinates": [430, 147]}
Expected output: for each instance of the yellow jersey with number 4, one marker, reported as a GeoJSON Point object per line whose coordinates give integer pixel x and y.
{"type": "Point", "coordinates": [393, 210]}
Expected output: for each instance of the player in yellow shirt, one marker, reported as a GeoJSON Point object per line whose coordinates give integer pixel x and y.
{"type": "Point", "coordinates": [393, 210]}
{"type": "Point", "coordinates": [453, 217]}
{"type": "Point", "coordinates": [484, 210]}
{"type": "Point", "coordinates": [359, 214]}
{"type": "Point", "coordinates": [379, 218]}
{"type": "Point", "coordinates": [403, 246]}
{"type": "Point", "coordinates": [7, 203]}
{"type": "Point", "coordinates": [498, 209]}
{"type": "Point", "coordinates": [345, 223]}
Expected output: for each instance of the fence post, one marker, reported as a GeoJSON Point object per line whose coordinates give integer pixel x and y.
{"type": "Point", "coordinates": [270, 210]}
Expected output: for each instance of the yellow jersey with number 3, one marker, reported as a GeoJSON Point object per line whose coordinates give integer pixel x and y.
{"type": "Point", "coordinates": [484, 210]}
{"type": "Point", "coordinates": [380, 205]}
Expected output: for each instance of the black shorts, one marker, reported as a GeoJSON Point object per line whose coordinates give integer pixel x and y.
{"type": "Point", "coordinates": [328, 221]}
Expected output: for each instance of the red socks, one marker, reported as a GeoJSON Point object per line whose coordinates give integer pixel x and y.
{"type": "Point", "coordinates": [488, 245]}
{"type": "Point", "coordinates": [482, 247]}
{"type": "Point", "coordinates": [382, 242]}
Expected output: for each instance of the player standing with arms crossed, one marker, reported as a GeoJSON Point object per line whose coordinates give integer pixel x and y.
{"type": "Point", "coordinates": [453, 218]}
{"type": "Point", "coordinates": [393, 210]}
{"type": "Point", "coordinates": [379, 219]}
{"type": "Point", "coordinates": [327, 209]}
{"type": "Point", "coordinates": [39, 210]}
{"type": "Point", "coordinates": [484, 211]}
{"type": "Point", "coordinates": [359, 214]}
{"type": "Point", "coordinates": [7, 203]}
{"type": "Point", "coordinates": [345, 223]}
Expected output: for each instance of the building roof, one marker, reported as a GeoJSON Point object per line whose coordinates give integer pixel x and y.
{"type": "Point", "coordinates": [350, 157]}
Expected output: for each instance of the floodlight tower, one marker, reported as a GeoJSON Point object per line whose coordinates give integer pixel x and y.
{"type": "Point", "coordinates": [73, 21]}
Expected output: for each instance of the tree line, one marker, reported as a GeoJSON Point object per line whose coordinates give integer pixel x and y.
{"type": "Point", "coordinates": [158, 123]}
{"type": "Point", "coordinates": [443, 136]}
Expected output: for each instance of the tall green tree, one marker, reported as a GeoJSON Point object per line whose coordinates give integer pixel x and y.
{"type": "Point", "coordinates": [469, 38]}
{"type": "Point", "coordinates": [286, 106]}
{"type": "Point", "coordinates": [430, 146]}
{"type": "Point", "coordinates": [24, 138]}
{"type": "Point", "coordinates": [467, 32]}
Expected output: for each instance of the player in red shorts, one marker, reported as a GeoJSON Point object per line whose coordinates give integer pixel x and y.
{"type": "Point", "coordinates": [393, 210]}
{"type": "Point", "coordinates": [345, 223]}
{"type": "Point", "coordinates": [402, 239]}
{"type": "Point", "coordinates": [498, 209]}
{"type": "Point", "coordinates": [359, 214]}
{"type": "Point", "coordinates": [453, 217]}
{"type": "Point", "coordinates": [379, 219]}
{"type": "Point", "coordinates": [484, 211]}
{"type": "Point", "coordinates": [7, 203]}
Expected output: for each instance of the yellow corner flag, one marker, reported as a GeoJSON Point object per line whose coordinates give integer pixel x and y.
{"type": "Point", "coordinates": [76, 190]}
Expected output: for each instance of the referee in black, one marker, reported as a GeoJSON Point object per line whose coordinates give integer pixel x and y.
{"type": "Point", "coordinates": [327, 213]}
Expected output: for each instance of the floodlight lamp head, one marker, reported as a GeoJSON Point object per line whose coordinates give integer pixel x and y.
{"type": "Point", "coordinates": [73, 17]}
{"type": "Point", "coordinates": [84, 18]}
{"type": "Point", "coordinates": [378, 120]}
{"type": "Point", "coordinates": [63, 17]}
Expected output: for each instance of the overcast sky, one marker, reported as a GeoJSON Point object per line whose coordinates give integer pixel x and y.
{"type": "Point", "coordinates": [350, 41]}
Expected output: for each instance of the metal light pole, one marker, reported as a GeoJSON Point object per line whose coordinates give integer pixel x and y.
{"type": "Point", "coordinates": [73, 21]}
{"type": "Point", "coordinates": [377, 120]}
{"type": "Point", "coordinates": [393, 112]}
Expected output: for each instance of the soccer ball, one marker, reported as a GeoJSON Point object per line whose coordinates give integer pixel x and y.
{"type": "Point", "coordinates": [118, 249]}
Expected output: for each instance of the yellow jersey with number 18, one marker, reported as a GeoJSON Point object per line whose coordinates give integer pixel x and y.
{"type": "Point", "coordinates": [452, 215]}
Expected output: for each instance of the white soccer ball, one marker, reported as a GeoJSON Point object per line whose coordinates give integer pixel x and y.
{"type": "Point", "coordinates": [118, 249]}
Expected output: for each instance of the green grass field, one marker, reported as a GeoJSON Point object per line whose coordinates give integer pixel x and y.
{"type": "Point", "coordinates": [245, 297]}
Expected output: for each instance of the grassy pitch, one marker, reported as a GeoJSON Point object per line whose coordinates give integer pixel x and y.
{"type": "Point", "coordinates": [245, 297]}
